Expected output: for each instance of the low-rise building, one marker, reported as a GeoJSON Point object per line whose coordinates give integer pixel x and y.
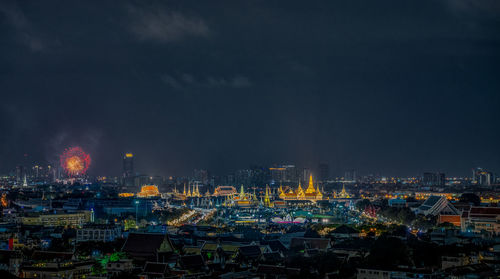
{"type": "Point", "coordinates": [10, 261]}
{"type": "Point", "coordinates": [436, 205]}
{"type": "Point", "coordinates": [117, 267]}
{"type": "Point", "coordinates": [482, 219]}
{"type": "Point", "coordinates": [397, 273]}
{"type": "Point", "coordinates": [98, 232]}
{"type": "Point", "coordinates": [44, 264]}
{"type": "Point", "coordinates": [58, 219]}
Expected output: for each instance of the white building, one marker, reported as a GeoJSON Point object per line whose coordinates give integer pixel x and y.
{"type": "Point", "coordinates": [98, 232]}
{"type": "Point", "coordinates": [436, 205]}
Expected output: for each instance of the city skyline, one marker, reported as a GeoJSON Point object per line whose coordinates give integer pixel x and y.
{"type": "Point", "coordinates": [332, 170]}
{"type": "Point", "coordinates": [322, 170]}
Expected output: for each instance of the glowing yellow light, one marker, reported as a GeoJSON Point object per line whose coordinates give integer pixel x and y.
{"type": "Point", "coordinates": [129, 155]}
{"type": "Point", "coordinates": [74, 164]}
{"type": "Point", "coordinates": [149, 191]}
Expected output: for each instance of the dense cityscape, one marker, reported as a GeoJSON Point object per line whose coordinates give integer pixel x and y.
{"type": "Point", "coordinates": [280, 221]}
{"type": "Point", "coordinates": [191, 139]}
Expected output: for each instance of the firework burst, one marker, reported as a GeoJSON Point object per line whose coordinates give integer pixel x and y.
{"type": "Point", "coordinates": [75, 161]}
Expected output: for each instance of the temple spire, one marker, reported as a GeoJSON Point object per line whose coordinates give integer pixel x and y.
{"type": "Point", "coordinates": [267, 200]}
{"type": "Point", "coordinates": [300, 192]}
{"type": "Point", "coordinates": [242, 192]}
{"type": "Point", "coordinates": [310, 188]}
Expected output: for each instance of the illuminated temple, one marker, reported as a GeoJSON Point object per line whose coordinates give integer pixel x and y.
{"type": "Point", "coordinates": [192, 194]}
{"type": "Point", "coordinates": [148, 191]}
{"type": "Point", "coordinates": [342, 195]}
{"type": "Point", "coordinates": [311, 193]}
{"type": "Point", "coordinates": [241, 199]}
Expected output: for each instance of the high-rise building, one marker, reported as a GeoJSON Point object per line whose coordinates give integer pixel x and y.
{"type": "Point", "coordinates": [433, 179]}
{"type": "Point", "coordinates": [323, 172]}
{"type": "Point", "coordinates": [201, 176]}
{"type": "Point", "coordinates": [283, 173]}
{"type": "Point", "coordinates": [277, 174]}
{"type": "Point", "coordinates": [20, 174]}
{"type": "Point", "coordinates": [482, 177]}
{"type": "Point", "coordinates": [306, 173]}
{"type": "Point", "coordinates": [128, 165]}
{"type": "Point", "coordinates": [141, 180]}
{"type": "Point", "coordinates": [228, 180]}
{"type": "Point", "coordinates": [350, 175]}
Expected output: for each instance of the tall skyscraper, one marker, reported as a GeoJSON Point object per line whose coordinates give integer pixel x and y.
{"type": "Point", "coordinates": [351, 176]}
{"type": "Point", "coordinates": [306, 173]}
{"type": "Point", "coordinates": [283, 173]}
{"type": "Point", "coordinates": [20, 174]}
{"type": "Point", "coordinates": [323, 172]}
{"type": "Point", "coordinates": [128, 165]}
{"type": "Point", "coordinates": [201, 176]}
{"type": "Point", "coordinates": [482, 177]}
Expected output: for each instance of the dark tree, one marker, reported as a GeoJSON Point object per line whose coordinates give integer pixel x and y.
{"type": "Point", "coordinates": [388, 252]}
{"type": "Point", "coordinates": [470, 198]}
{"type": "Point", "coordinates": [362, 204]}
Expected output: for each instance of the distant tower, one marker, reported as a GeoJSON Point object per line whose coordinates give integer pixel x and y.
{"type": "Point", "coordinates": [19, 174]}
{"type": "Point", "coordinates": [482, 177]}
{"type": "Point", "coordinates": [128, 165]}
{"type": "Point", "coordinates": [350, 175]}
{"type": "Point", "coordinates": [324, 172]}
{"type": "Point", "coordinates": [25, 182]}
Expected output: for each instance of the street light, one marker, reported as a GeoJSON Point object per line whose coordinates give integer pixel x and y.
{"type": "Point", "coordinates": [136, 211]}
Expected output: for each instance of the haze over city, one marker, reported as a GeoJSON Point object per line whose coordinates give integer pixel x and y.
{"type": "Point", "coordinates": [388, 87]}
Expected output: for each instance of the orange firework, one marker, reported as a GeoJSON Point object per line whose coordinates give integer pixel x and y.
{"type": "Point", "coordinates": [3, 201]}
{"type": "Point", "coordinates": [75, 161]}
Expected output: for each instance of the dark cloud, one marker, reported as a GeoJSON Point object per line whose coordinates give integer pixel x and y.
{"type": "Point", "coordinates": [387, 86]}
{"type": "Point", "coordinates": [25, 33]}
{"type": "Point", "coordinates": [187, 81]}
{"type": "Point", "coordinates": [475, 7]}
{"type": "Point", "coordinates": [164, 25]}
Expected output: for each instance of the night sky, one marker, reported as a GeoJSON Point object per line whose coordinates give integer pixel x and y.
{"type": "Point", "coordinates": [383, 87]}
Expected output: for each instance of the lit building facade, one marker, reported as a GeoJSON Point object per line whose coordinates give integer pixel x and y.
{"type": "Point", "coordinates": [224, 191]}
{"type": "Point", "coordinates": [482, 177]}
{"type": "Point", "coordinates": [311, 193]}
{"type": "Point", "coordinates": [59, 219]}
{"type": "Point", "coordinates": [148, 191]}
{"type": "Point", "coordinates": [128, 165]}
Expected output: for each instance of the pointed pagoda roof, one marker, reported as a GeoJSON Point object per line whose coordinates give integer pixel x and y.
{"type": "Point", "coordinates": [310, 188]}
{"type": "Point", "coordinates": [300, 191]}
{"type": "Point", "coordinates": [242, 192]}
